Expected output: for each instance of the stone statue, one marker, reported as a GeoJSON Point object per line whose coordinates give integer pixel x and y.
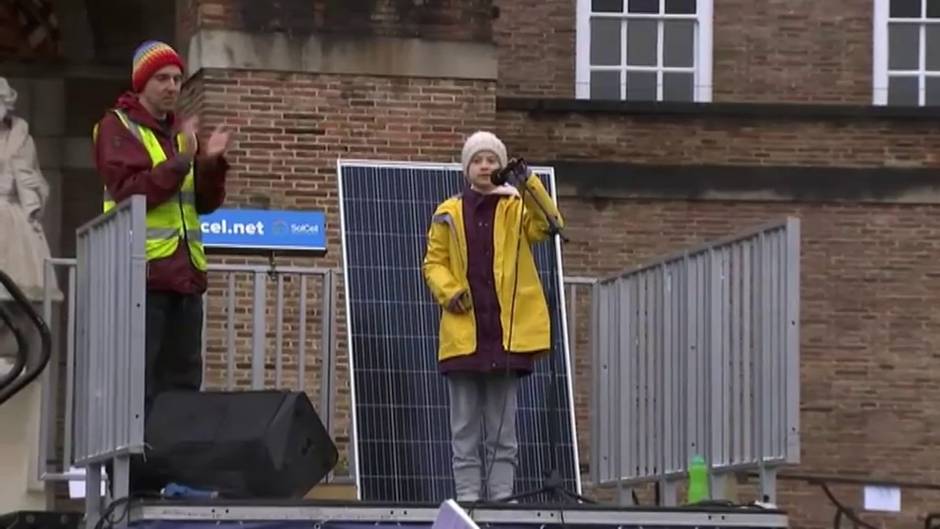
{"type": "Point", "coordinates": [23, 195]}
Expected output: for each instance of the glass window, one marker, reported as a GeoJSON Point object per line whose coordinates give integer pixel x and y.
{"type": "Point", "coordinates": [646, 50]}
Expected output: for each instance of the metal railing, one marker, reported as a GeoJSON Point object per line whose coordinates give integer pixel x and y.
{"type": "Point", "coordinates": [698, 354]}
{"type": "Point", "coordinates": [56, 465]}
{"type": "Point", "coordinates": [578, 295]}
{"type": "Point", "coordinates": [109, 347]}
{"type": "Point", "coordinates": [692, 354]}
{"type": "Point", "coordinates": [270, 326]}
{"type": "Point", "coordinates": [261, 320]}
{"type": "Point", "coordinates": [227, 340]}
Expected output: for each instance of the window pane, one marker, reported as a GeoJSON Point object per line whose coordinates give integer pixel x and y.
{"type": "Point", "coordinates": [641, 86]}
{"type": "Point", "coordinates": [641, 42]}
{"type": "Point", "coordinates": [677, 87]}
{"type": "Point", "coordinates": [678, 37]}
{"type": "Point", "coordinates": [605, 85]}
{"type": "Point", "coordinates": [905, 9]}
{"type": "Point", "coordinates": [903, 40]}
{"type": "Point", "coordinates": [932, 61]}
{"type": "Point", "coordinates": [902, 91]}
{"type": "Point", "coordinates": [933, 8]}
{"type": "Point", "coordinates": [932, 91]}
{"type": "Point", "coordinates": [607, 6]}
{"type": "Point", "coordinates": [644, 6]}
{"type": "Point", "coordinates": [605, 41]}
{"type": "Point", "coordinates": [680, 7]}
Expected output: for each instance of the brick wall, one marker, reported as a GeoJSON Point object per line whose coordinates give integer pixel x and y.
{"type": "Point", "coordinates": [291, 128]}
{"type": "Point", "coordinates": [865, 349]}
{"type": "Point", "coordinates": [439, 19]}
{"type": "Point", "coordinates": [868, 329]}
{"type": "Point", "coordinates": [867, 382]}
{"type": "Point", "coordinates": [868, 281]}
{"type": "Point", "coordinates": [690, 140]}
{"type": "Point", "coordinates": [536, 41]}
{"type": "Point", "coordinates": [793, 51]}
{"type": "Point", "coordinates": [866, 353]}
{"type": "Point", "coordinates": [773, 51]}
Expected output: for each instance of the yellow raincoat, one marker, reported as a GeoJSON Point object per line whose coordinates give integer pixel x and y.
{"type": "Point", "coordinates": [445, 271]}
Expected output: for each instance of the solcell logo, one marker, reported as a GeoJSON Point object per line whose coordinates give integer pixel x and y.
{"type": "Point", "coordinates": [304, 229]}
{"type": "Point", "coordinates": [279, 227]}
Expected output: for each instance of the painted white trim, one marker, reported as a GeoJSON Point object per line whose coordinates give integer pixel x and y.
{"type": "Point", "coordinates": [660, 38]}
{"type": "Point", "coordinates": [582, 77]}
{"type": "Point", "coordinates": [925, 21]}
{"type": "Point", "coordinates": [922, 57]}
{"type": "Point", "coordinates": [914, 73]}
{"type": "Point", "coordinates": [649, 16]}
{"type": "Point", "coordinates": [881, 72]}
{"type": "Point", "coordinates": [353, 431]}
{"type": "Point", "coordinates": [664, 69]}
{"type": "Point", "coordinates": [624, 34]}
{"type": "Point", "coordinates": [366, 162]}
{"type": "Point", "coordinates": [702, 50]}
{"type": "Point", "coordinates": [704, 47]}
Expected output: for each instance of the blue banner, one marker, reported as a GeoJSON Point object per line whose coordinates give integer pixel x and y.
{"type": "Point", "coordinates": [264, 229]}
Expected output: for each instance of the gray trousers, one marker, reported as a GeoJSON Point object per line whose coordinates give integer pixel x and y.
{"type": "Point", "coordinates": [483, 408]}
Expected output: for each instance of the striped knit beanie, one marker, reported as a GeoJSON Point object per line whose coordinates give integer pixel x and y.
{"type": "Point", "coordinates": [150, 57]}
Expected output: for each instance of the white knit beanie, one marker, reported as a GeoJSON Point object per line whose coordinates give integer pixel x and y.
{"type": "Point", "coordinates": [480, 141]}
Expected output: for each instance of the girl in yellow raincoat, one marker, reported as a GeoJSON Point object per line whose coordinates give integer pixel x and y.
{"type": "Point", "coordinates": [480, 268]}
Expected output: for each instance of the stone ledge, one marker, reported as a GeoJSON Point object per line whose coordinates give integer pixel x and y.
{"type": "Point", "coordinates": [543, 106]}
{"type": "Point", "coordinates": [360, 55]}
{"type": "Point", "coordinates": [605, 180]}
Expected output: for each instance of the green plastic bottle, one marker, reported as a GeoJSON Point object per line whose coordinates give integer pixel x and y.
{"type": "Point", "coordinates": [698, 480]}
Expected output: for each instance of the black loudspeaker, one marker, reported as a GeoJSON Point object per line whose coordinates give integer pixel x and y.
{"type": "Point", "coordinates": [252, 444]}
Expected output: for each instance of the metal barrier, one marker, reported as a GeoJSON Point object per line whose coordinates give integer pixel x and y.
{"type": "Point", "coordinates": [261, 319]}
{"type": "Point", "coordinates": [56, 465]}
{"type": "Point", "coordinates": [578, 308]}
{"type": "Point", "coordinates": [698, 354]}
{"type": "Point", "coordinates": [692, 354]}
{"type": "Point", "coordinates": [300, 308]}
{"type": "Point", "coordinates": [265, 326]}
{"type": "Point", "coordinates": [109, 347]}
{"type": "Point", "coordinates": [239, 350]}
{"type": "Point", "coordinates": [579, 293]}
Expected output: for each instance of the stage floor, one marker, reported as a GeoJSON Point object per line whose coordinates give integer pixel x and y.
{"type": "Point", "coordinates": [355, 515]}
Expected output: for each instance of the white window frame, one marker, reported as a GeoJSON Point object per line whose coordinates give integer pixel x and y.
{"type": "Point", "coordinates": [882, 13]}
{"type": "Point", "coordinates": [702, 71]}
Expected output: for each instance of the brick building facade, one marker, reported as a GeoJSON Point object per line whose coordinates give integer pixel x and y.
{"type": "Point", "coordinates": [781, 121]}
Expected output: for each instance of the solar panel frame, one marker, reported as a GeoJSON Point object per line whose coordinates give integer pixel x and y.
{"type": "Point", "coordinates": [560, 338]}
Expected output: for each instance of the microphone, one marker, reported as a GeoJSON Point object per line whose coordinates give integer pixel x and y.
{"type": "Point", "coordinates": [515, 171]}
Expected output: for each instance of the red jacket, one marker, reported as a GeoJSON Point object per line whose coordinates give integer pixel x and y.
{"type": "Point", "coordinates": [126, 169]}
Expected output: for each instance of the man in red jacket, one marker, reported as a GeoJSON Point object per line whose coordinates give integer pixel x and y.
{"type": "Point", "coordinates": [143, 147]}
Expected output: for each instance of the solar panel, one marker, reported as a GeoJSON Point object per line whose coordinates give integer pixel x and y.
{"type": "Point", "coordinates": [400, 407]}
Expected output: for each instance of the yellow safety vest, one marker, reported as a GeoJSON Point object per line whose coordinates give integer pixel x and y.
{"type": "Point", "coordinates": [175, 219]}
